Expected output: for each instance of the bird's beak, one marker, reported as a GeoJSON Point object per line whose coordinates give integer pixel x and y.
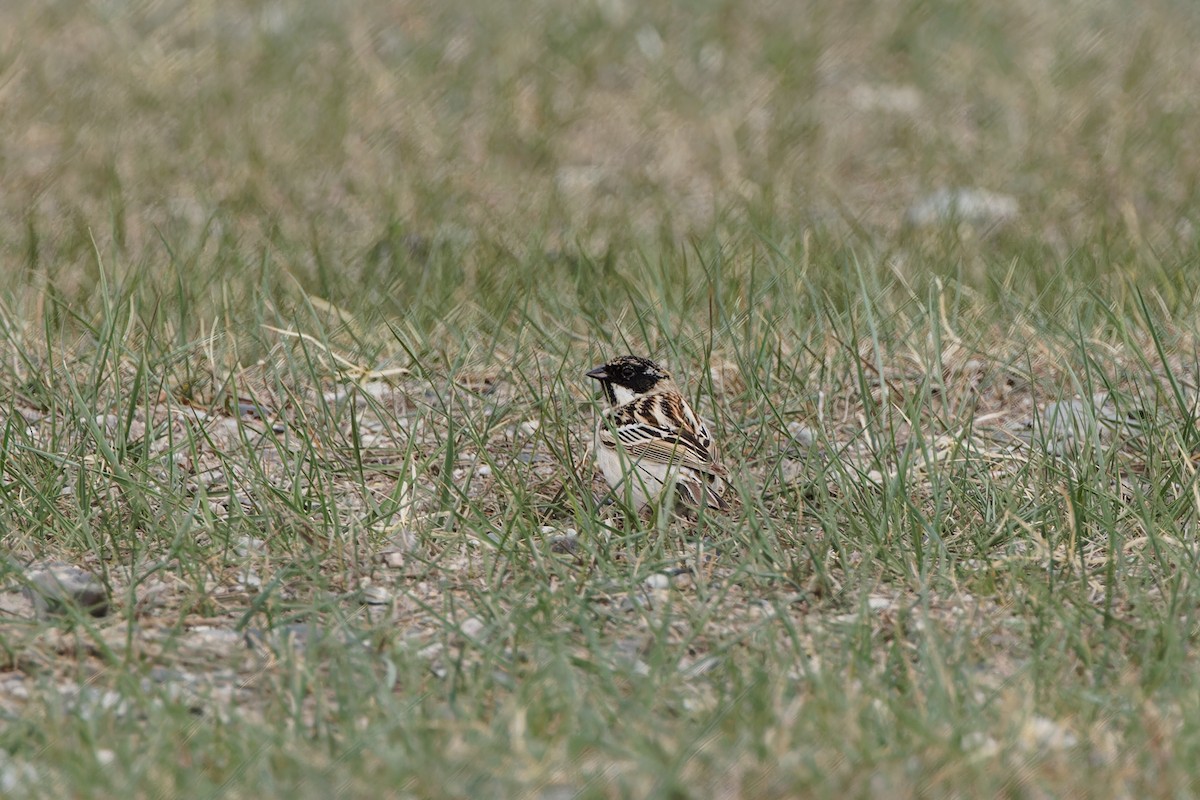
{"type": "Point", "coordinates": [598, 373]}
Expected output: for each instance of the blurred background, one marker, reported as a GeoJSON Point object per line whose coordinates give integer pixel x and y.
{"type": "Point", "coordinates": [347, 141]}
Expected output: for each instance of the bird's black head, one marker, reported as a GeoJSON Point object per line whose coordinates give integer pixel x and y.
{"type": "Point", "coordinates": [634, 374]}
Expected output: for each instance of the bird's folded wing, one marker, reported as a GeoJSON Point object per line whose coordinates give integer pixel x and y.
{"type": "Point", "coordinates": [678, 447]}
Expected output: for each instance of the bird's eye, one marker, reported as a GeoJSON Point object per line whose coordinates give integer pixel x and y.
{"type": "Point", "coordinates": [627, 372]}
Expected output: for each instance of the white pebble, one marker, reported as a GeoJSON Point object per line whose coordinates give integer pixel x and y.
{"type": "Point", "coordinates": [471, 627]}
{"type": "Point", "coordinates": [376, 595]}
{"type": "Point", "coordinates": [657, 581]}
{"type": "Point", "coordinates": [802, 433]}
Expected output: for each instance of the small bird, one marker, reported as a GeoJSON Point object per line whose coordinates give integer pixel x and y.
{"type": "Point", "coordinates": [649, 439]}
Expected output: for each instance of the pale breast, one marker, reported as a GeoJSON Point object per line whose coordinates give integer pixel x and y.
{"type": "Point", "coordinates": [638, 482]}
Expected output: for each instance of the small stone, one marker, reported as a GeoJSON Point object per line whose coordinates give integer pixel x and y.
{"type": "Point", "coordinates": [471, 627]}
{"type": "Point", "coordinates": [431, 651]}
{"type": "Point", "coordinates": [703, 666]}
{"type": "Point", "coordinates": [375, 595]}
{"type": "Point", "coordinates": [566, 543]}
{"type": "Point", "coordinates": [561, 541]}
{"type": "Point", "coordinates": [55, 587]}
{"type": "Point", "coordinates": [657, 581]}
{"type": "Point", "coordinates": [251, 408]}
{"type": "Point", "coordinates": [249, 580]}
{"type": "Point", "coordinates": [529, 427]}
{"type": "Point", "coordinates": [14, 687]}
{"type": "Point", "coordinates": [803, 434]}
{"type": "Point", "coordinates": [878, 603]}
{"type": "Point", "coordinates": [105, 757]}
{"type": "Point", "coordinates": [649, 42]}
{"type": "Point", "coordinates": [627, 653]}
{"type": "Point", "coordinates": [483, 470]}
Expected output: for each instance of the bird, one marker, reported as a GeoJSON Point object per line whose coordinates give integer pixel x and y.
{"type": "Point", "coordinates": [649, 439]}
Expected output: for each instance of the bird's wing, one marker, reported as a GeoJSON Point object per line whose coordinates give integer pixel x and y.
{"type": "Point", "coordinates": [643, 431]}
